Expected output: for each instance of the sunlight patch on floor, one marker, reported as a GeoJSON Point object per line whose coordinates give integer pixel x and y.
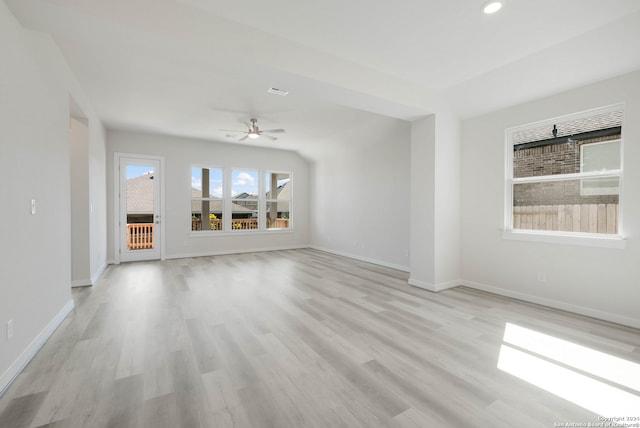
{"type": "Point", "coordinates": [581, 375]}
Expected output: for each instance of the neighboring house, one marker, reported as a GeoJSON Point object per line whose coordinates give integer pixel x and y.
{"type": "Point", "coordinates": [244, 207]}
{"type": "Point", "coordinates": [140, 199]}
{"type": "Point", "coordinates": [283, 195]}
{"type": "Point", "coordinates": [140, 202]}
{"type": "Point", "coordinates": [238, 211]}
{"type": "Point", "coordinates": [536, 154]}
{"type": "Point", "coordinates": [215, 206]}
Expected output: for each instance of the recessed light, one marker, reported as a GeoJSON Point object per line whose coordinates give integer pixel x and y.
{"type": "Point", "coordinates": [491, 6]}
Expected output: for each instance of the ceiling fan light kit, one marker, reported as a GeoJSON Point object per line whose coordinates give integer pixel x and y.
{"type": "Point", "coordinates": [255, 132]}
{"type": "Point", "coordinates": [492, 6]}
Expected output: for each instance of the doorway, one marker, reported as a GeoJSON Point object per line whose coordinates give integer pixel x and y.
{"type": "Point", "coordinates": [140, 230]}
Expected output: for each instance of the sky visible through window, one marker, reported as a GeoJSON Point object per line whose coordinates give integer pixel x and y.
{"type": "Point", "coordinates": [215, 180]}
{"type": "Point", "coordinates": [134, 171]}
{"type": "Point", "coordinates": [243, 181]}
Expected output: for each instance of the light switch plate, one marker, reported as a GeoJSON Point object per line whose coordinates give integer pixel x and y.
{"type": "Point", "coordinates": [33, 206]}
{"type": "Point", "coordinates": [9, 329]}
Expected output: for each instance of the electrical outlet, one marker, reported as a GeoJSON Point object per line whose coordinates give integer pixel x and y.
{"type": "Point", "coordinates": [9, 329]}
{"type": "Point", "coordinates": [542, 277]}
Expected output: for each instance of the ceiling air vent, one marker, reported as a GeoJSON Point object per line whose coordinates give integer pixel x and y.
{"type": "Point", "coordinates": [277, 91]}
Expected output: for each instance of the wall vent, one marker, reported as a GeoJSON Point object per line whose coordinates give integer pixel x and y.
{"type": "Point", "coordinates": [277, 91]}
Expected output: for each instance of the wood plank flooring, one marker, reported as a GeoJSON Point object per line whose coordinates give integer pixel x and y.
{"type": "Point", "coordinates": [294, 338]}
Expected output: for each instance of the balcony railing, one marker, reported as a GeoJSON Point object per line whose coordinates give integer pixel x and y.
{"type": "Point", "coordinates": [236, 224]}
{"type": "Point", "coordinates": [241, 224]}
{"type": "Point", "coordinates": [140, 236]}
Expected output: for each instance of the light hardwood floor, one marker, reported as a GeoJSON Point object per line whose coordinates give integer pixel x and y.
{"type": "Point", "coordinates": [295, 338]}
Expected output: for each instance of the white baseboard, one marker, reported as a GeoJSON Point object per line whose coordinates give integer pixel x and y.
{"type": "Point", "coordinates": [21, 362]}
{"type": "Point", "coordinates": [556, 304]}
{"type": "Point", "coordinates": [241, 251]}
{"type": "Point", "coordinates": [434, 287]}
{"type": "Point", "coordinates": [81, 283]}
{"type": "Point", "coordinates": [96, 276]}
{"type": "Point", "coordinates": [361, 258]}
{"type": "Point", "coordinates": [89, 282]}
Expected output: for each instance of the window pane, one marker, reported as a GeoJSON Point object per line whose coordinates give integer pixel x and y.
{"type": "Point", "coordinates": [276, 183]}
{"type": "Point", "coordinates": [206, 182]}
{"type": "Point", "coordinates": [546, 160]}
{"type": "Point", "coordinates": [561, 206]}
{"type": "Point", "coordinates": [278, 215]}
{"type": "Point", "coordinates": [244, 184]}
{"type": "Point", "coordinates": [214, 210]}
{"type": "Point", "coordinates": [601, 156]}
{"type": "Point", "coordinates": [140, 207]}
{"type": "Point", "coordinates": [600, 186]}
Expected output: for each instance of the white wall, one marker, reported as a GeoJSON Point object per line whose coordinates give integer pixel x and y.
{"type": "Point", "coordinates": [35, 255]}
{"type": "Point", "coordinates": [97, 198]}
{"type": "Point", "coordinates": [80, 218]}
{"type": "Point", "coordinates": [180, 154]}
{"type": "Point", "coordinates": [435, 201]}
{"type": "Point", "coordinates": [423, 182]}
{"type": "Point", "coordinates": [447, 200]}
{"type": "Point", "coordinates": [360, 198]}
{"type": "Point", "coordinates": [601, 282]}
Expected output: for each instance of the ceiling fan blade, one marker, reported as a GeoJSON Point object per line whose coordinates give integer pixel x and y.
{"type": "Point", "coordinates": [268, 136]}
{"type": "Point", "coordinates": [244, 138]}
{"type": "Point", "coordinates": [273, 131]}
{"type": "Point", "coordinates": [232, 130]}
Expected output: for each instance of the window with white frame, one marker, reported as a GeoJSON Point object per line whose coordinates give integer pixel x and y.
{"type": "Point", "coordinates": [278, 200]}
{"type": "Point", "coordinates": [239, 200]}
{"type": "Point", "coordinates": [207, 203]}
{"type": "Point", "coordinates": [564, 174]}
{"type": "Point", "coordinates": [245, 203]}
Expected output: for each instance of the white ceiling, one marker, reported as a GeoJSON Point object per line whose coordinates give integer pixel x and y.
{"type": "Point", "coordinates": [192, 67]}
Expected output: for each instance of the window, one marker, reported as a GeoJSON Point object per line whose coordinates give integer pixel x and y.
{"type": "Point", "coordinates": [207, 203]}
{"type": "Point", "coordinates": [245, 200]}
{"type": "Point", "coordinates": [278, 200]}
{"type": "Point", "coordinates": [239, 200]}
{"type": "Point", "coordinates": [564, 175]}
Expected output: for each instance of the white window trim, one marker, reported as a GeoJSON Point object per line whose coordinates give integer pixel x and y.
{"type": "Point", "coordinates": [227, 221]}
{"type": "Point", "coordinates": [231, 199]}
{"type": "Point", "coordinates": [290, 200]}
{"type": "Point", "coordinates": [571, 238]}
{"type": "Point", "coordinates": [224, 210]}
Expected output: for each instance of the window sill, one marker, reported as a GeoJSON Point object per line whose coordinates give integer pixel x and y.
{"type": "Point", "coordinates": [204, 234]}
{"type": "Point", "coordinates": [601, 241]}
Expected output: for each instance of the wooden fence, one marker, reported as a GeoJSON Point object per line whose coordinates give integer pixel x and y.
{"type": "Point", "coordinates": [588, 218]}
{"type": "Point", "coordinates": [140, 236]}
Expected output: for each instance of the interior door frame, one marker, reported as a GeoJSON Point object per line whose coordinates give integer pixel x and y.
{"type": "Point", "coordinates": [117, 158]}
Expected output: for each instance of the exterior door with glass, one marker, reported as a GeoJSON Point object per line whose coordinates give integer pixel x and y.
{"type": "Point", "coordinates": [139, 209]}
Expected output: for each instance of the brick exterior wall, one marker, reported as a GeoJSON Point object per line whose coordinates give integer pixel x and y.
{"type": "Point", "coordinates": [553, 160]}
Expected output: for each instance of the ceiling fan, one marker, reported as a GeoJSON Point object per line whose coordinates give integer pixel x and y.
{"type": "Point", "coordinates": [255, 132]}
